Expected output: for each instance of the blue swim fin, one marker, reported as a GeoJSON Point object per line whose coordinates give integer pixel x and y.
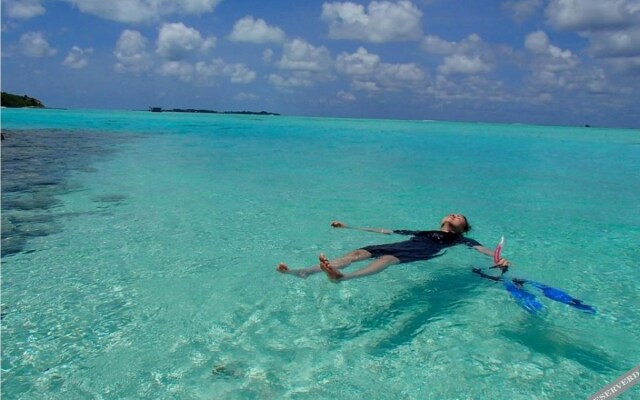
{"type": "Point", "coordinates": [562, 297]}
{"type": "Point", "coordinates": [526, 300]}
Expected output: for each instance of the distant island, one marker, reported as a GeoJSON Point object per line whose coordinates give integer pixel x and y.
{"type": "Point", "coordinates": [15, 101]}
{"type": "Point", "coordinates": [192, 110]}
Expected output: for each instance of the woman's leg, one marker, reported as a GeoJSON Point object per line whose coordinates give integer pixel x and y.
{"type": "Point", "coordinates": [339, 263]}
{"type": "Point", "coordinates": [377, 266]}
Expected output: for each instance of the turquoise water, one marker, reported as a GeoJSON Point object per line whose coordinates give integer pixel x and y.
{"type": "Point", "coordinates": [139, 254]}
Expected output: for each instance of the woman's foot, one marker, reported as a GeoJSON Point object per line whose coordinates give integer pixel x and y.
{"type": "Point", "coordinates": [332, 273]}
{"type": "Point", "coordinates": [300, 273]}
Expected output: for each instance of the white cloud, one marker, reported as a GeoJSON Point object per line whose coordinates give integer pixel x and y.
{"type": "Point", "coordinates": [204, 74]}
{"type": "Point", "coordinates": [551, 66]}
{"type": "Point", "coordinates": [365, 86]}
{"type": "Point", "coordinates": [359, 63]}
{"type": "Point", "coordinates": [77, 57]}
{"type": "Point", "coordinates": [267, 55]}
{"type": "Point", "coordinates": [396, 76]}
{"type": "Point", "coordinates": [33, 44]}
{"type": "Point", "coordinates": [305, 65]}
{"type": "Point", "coordinates": [23, 9]}
{"type": "Point", "coordinates": [238, 73]}
{"type": "Point", "coordinates": [470, 56]}
{"type": "Point", "coordinates": [627, 65]}
{"type": "Point", "coordinates": [242, 96]}
{"type": "Point", "coordinates": [589, 15]}
{"type": "Point", "coordinates": [553, 57]}
{"type": "Point", "coordinates": [471, 44]}
{"type": "Point", "coordinates": [624, 43]}
{"type": "Point", "coordinates": [293, 82]}
{"type": "Point", "coordinates": [346, 96]}
{"type": "Point", "coordinates": [131, 52]}
{"type": "Point", "coordinates": [470, 88]}
{"type": "Point", "coordinates": [612, 28]}
{"type": "Point", "coordinates": [463, 64]}
{"type": "Point", "coordinates": [299, 55]}
{"type": "Point", "coordinates": [383, 21]}
{"type": "Point", "coordinates": [369, 73]}
{"type": "Point", "coordinates": [522, 9]}
{"type": "Point", "coordinates": [463, 72]}
{"type": "Point", "coordinates": [176, 41]}
{"type": "Point", "coordinates": [180, 69]}
{"type": "Point", "coordinates": [250, 30]}
{"type": "Point", "coordinates": [133, 11]}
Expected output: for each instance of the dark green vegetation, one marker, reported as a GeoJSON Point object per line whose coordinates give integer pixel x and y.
{"type": "Point", "coordinates": [13, 100]}
{"type": "Point", "coordinates": [191, 110]}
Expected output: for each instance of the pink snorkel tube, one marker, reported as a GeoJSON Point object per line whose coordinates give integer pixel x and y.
{"type": "Point", "coordinates": [498, 250]}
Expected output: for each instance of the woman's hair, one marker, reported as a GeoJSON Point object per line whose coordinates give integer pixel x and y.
{"type": "Point", "coordinates": [467, 226]}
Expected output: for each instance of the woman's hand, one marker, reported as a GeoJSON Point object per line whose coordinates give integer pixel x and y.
{"type": "Point", "coordinates": [503, 264]}
{"type": "Point", "coordinates": [338, 224]}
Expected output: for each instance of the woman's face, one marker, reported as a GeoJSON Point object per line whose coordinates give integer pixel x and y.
{"type": "Point", "coordinates": [457, 221]}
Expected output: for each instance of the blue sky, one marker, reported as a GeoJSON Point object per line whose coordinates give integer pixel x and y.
{"type": "Point", "coordinates": [560, 62]}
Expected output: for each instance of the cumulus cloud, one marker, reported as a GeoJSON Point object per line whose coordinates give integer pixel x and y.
{"type": "Point", "coordinates": [469, 56]}
{"type": "Point", "coordinates": [522, 9]}
{"type": "Point", "coordinates": [23, 9]}
{"type": "Point", "coordinates": [176, 41]}
{"type": "Point", "coordinates": [243, 96]}
{"type": "Point", "coordinates": [589, 15]}
{"type": "Point", "coordinates": [251, 30]}
{"type": "Point", "coordinates": [303, 65]}
{"type": "Point", "coordinates": [554, 57]}
{"type": "Point", "coordinates": [267, 55]}
{"type": "Point", "coordinates": [396, 76]}
{"type": "Point", "coordinates": [382, 21]}
{"type": "Point", "coordinates": [471, 44]}
{"type": "Point", "coordinates": [133, 11]}
{"type": "Point", "coordinates": [555, 72]}
{"type": "Point", "coordinates": [625, 43]}
{"type": "Point", "coordinates": [463, 64]}
{"type": "Point", "coordinates": [77, 57]}
{"type": "Point", "coordinates": [470, 88]}
{"type": "Point", "coordinates": [238, 73]}
{"type": "Point", "coordinates": [346, 96]}
{"type": "Point", "coordinates": [301, 56]}
{"type": "Point", "coordinates": [612, 28]}
{"type": "Point", "coordinates": [359, 63]}
{"type": "Point", "coordinates": [203, 73]}
{"type": "Point", "coordinates": [288, 84]}
{"type": "Point", "coordinates": [180, 69]}
{"type": "Point", "coordinates": [369, 73]}
{"type": "Point", "coordinates": [33, 44]}
{"type": "Point", "coordinates": [463, 73]}
{"type": "Point", "coordinates": [551, 66]}
{"type": "Point", "coordinates": [628, 65]}
{"type": "Point", "coordinates": [131, 52]}
{"type": "Point", "coordinates": [365, 86]}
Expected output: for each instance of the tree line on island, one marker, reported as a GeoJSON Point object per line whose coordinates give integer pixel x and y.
{"type": "Point", "coordinates": [193, 110]}
{"type": "Point", "coordinates": [16, 101]}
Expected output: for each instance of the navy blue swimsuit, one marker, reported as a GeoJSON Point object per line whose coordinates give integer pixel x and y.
{"type": "Point", "coordinates": [422, 246]}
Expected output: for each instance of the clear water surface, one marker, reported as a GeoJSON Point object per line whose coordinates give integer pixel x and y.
{"type": "Point", "coordinates": [139, 254]}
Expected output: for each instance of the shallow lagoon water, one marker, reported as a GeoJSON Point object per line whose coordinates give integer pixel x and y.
{"type": "Point", "coordinates": [151, 272]}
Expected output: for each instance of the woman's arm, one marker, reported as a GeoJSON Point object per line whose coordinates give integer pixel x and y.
{"type": "Point", "coordinates": [481, 249]}
{"type": "Point", "coordinates": [338, 224]}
